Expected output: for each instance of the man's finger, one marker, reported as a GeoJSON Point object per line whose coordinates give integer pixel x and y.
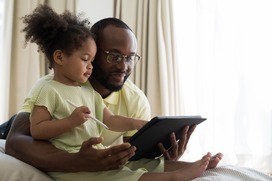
{"type": "Point", "coordinates": [164, 151]}
{"type": "Point", "coordinates": [183, 139]}
{"type": "Point", "coordinates": [120, 153]}
{"type": "Point", "coordinates": [189, 133]}
{"type": "Point", "coordinates": [92, 141]}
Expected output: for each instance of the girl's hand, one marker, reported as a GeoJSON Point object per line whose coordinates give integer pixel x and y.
{"type": "Point", "coordinates": [79, 115]}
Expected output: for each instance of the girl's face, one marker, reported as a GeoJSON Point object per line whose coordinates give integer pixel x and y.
{"type": "Point", "coordinates": [77, 68]}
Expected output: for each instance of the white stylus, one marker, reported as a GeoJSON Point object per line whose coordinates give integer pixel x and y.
{"type": "Point", "coordinates": [93, 118]}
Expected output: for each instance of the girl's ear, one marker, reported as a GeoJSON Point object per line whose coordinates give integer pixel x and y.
{"type": "Point", "coordinates": [58, 57]}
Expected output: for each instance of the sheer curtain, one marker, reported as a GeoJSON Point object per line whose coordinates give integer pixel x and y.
{"type": "Point", "coordinates": [225, 71]}
{"type": "Point", "coordinates": [6, 8]}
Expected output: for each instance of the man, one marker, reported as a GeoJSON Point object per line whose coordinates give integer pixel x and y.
{"type": "Point", "coordinates": [109, 79]}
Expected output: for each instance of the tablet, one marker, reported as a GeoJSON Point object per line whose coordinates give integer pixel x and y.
{"type": "Point", "coordinates": [158, 130]}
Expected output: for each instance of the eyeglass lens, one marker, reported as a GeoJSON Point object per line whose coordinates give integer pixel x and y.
{"type": "Point", "coordinates": [116, 58]}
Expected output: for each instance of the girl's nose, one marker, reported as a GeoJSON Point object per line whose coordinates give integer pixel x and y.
{"type": "Point", "coordinates": [90, 66]}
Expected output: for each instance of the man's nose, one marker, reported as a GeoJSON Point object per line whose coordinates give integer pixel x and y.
{"type": "Point", "coordinates": [122, 64]}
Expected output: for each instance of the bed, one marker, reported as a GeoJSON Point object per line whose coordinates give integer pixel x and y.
{"type": "Point", "coordinates": [13, 169]}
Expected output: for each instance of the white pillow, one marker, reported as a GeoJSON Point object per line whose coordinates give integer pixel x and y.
{"type": "Point", "coordinates": [14, 169]}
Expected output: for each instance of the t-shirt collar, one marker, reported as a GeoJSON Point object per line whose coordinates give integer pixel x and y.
{"type": "Point", "coordinates": [112, 98]}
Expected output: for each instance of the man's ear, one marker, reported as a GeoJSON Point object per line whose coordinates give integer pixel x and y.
{"type": "Point", "coordinates": [58, 57]}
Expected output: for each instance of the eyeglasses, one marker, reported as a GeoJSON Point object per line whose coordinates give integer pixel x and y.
{"type": "Point", "coordinates": [113, 57]}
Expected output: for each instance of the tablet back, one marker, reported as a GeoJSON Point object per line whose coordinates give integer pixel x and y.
{"type": "Point", "coordinates": [158, 130]}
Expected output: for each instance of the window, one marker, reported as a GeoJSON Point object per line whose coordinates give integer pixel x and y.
{"type": "Point", "coordinates": [225, 72]}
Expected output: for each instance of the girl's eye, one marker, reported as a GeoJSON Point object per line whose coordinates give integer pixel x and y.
{"type": "Point", "coordinates": [84, 58]}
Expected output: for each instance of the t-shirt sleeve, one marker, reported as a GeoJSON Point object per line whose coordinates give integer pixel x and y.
{"type": "Point", "coordinates": [142, 111]}
{"type": "Point", "coordinates": [47, 97]}
{"type": "Point", "coordinates": [34, 92]}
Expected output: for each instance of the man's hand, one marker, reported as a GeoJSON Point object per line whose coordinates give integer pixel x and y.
{"type": "Point", "coordinates": [104, 159]}
{"type": "Point", "coordinates": [179, 148]}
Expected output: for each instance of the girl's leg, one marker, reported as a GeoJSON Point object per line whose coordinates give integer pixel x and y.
{"type": "Point", "coordinates": [215, 160]}
{"type": "Point", "coordinates": [177, 171]}
{"type": "Point", "coordinates": [174, 165]}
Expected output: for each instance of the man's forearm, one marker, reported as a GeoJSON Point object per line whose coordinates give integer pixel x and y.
{"type": "Point", "coordinates": [40, 154]}
{"type": "Point", "coordinates": [27, 150]}
{"type": "Point", "coordinates": [44, 156]}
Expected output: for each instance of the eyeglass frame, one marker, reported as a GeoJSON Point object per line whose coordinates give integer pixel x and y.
{"type": "Point", "coordinates": [121, 57]}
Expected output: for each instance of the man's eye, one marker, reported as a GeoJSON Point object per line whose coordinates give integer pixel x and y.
{"type": "Point", "coordinates": [130, 58]}
{"type": "Point", "coordinates": [115, 57]}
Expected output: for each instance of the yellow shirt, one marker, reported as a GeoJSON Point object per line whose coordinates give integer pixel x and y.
{"type": "Point", "coordinates": [130, 101]}
{"type": "Point", "coordinates": [54, 95]}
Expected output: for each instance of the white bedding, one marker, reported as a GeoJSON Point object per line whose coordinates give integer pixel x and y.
{"type": "Point", "coordinates": [11, 169]}
{"type": "Point", "coordinates": [233, 173]}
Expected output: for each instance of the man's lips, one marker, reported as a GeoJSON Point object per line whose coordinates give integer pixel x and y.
{"type": "Point", "coordinates": [118, 76]}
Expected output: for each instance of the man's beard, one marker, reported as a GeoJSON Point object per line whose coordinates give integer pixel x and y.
{"type": "Point", "coordinates": [99, 75]}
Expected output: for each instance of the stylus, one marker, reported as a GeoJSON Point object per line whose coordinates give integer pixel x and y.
{"type": "Point", "coordinates": [93, 118]}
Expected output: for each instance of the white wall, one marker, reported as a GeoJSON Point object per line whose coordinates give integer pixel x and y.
{"type": "Point", "coordinates": [95, 10]}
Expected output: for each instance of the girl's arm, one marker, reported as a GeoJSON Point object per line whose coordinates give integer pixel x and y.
{"type": "Point", "coordinates": [43, 127]}
{"type": "Point", "coordinates": [121, 123]}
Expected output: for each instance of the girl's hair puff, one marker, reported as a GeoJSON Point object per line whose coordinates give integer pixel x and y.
{"type": "Point", "coordinates": [52, 31]}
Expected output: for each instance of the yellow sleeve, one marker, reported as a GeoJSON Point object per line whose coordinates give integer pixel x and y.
{"type": "Point", "coordinates": [34, 91]}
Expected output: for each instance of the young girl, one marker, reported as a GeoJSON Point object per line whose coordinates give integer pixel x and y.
{"type": "Point", "coordinates": [70, 48]}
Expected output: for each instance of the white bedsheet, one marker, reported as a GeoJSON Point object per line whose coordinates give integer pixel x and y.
{"type": "Point", "coordinates": [12, 169]}
{"type": "Point", "coordinates": [233, 173]}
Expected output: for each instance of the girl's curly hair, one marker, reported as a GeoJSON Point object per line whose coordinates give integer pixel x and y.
{"type": "Point", "coordinates": [51, 31]}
